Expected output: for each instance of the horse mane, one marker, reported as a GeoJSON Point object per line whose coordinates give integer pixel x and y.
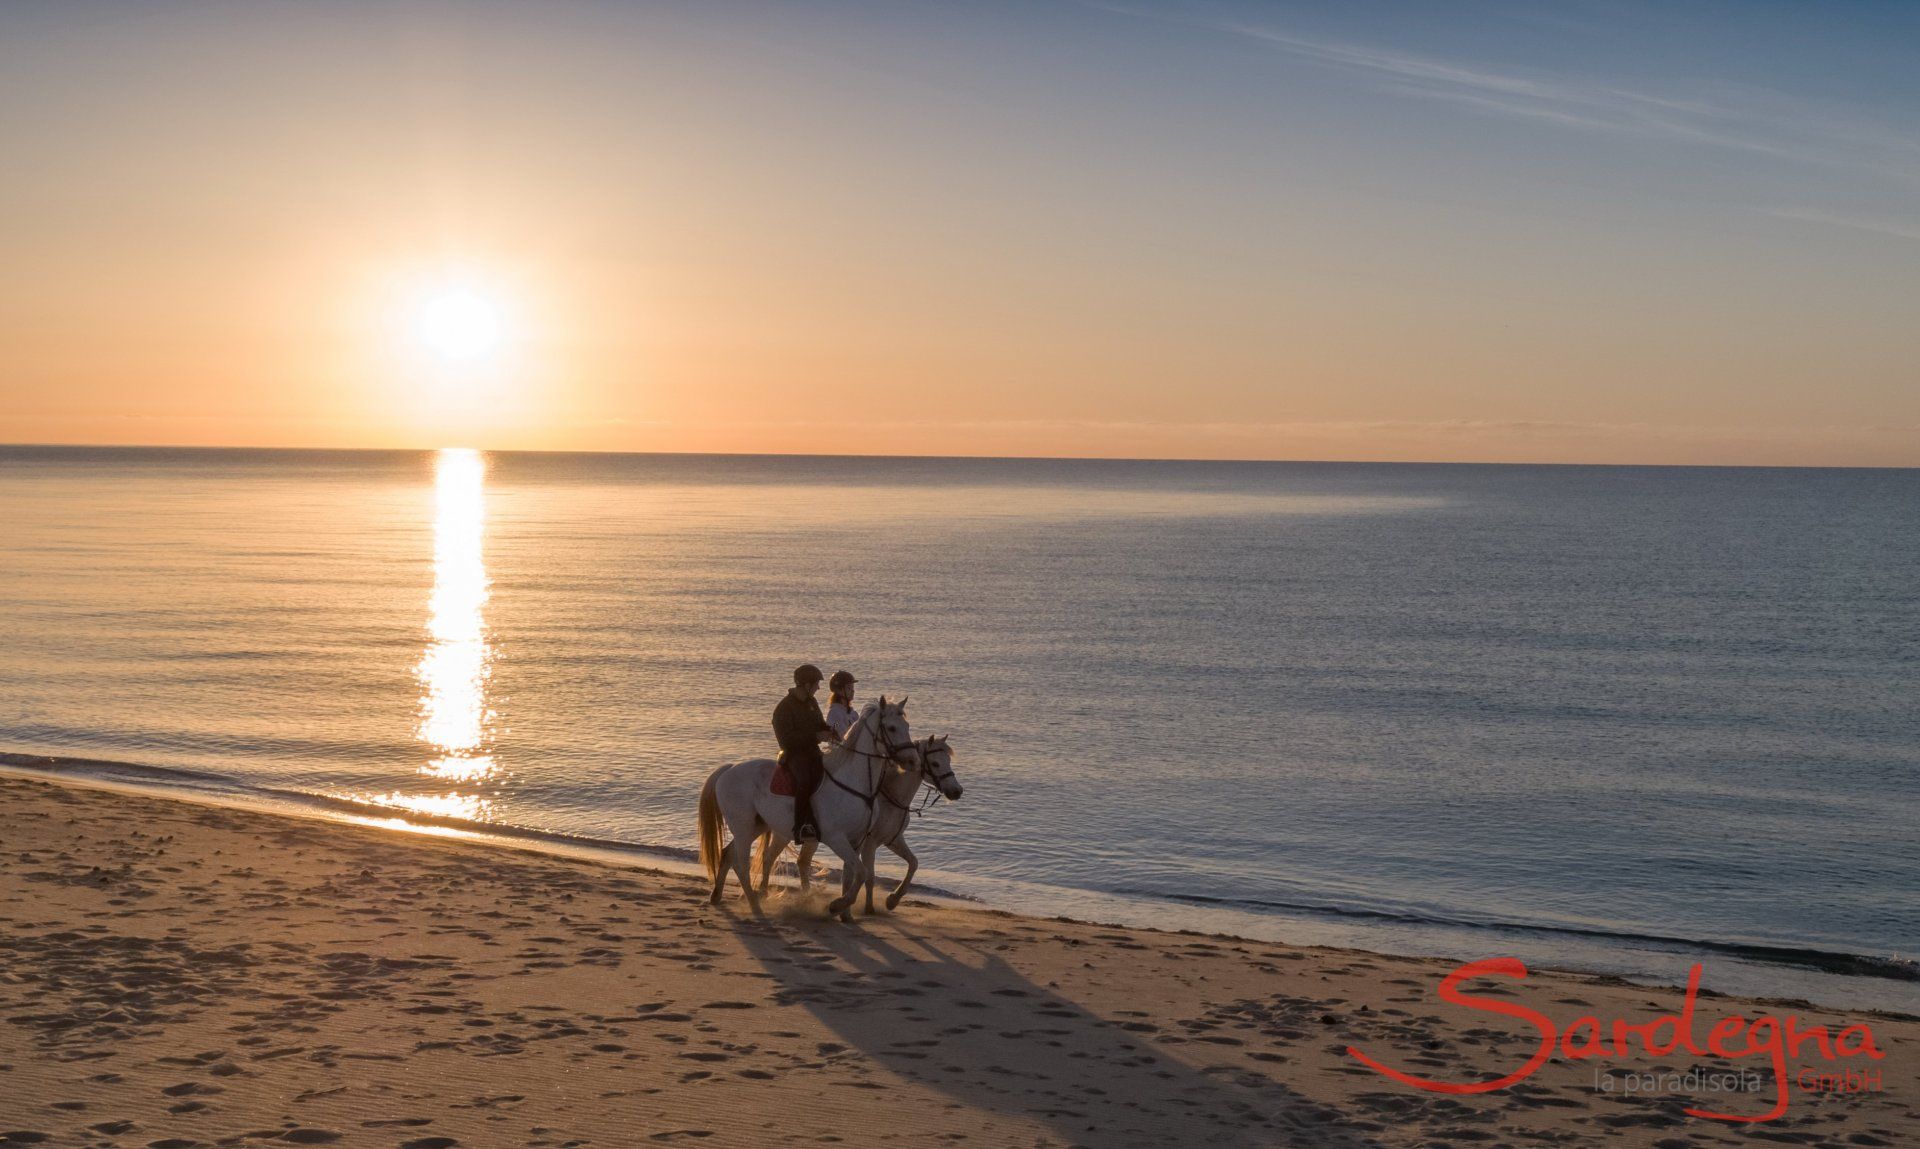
{"type": "Point", "coordinates": [860, 723]}
{"type": "Point", "coordinates": [869, 710]}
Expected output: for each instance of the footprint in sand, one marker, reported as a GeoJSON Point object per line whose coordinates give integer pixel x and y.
{"type": "Point", "coordinates": [187, 1088]}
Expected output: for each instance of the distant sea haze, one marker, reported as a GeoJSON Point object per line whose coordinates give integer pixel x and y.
{"type": "Point", "coordinates": [1614, 718]}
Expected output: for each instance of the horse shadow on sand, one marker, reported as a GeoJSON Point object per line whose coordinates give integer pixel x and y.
{"type": "Point", "coordinates": [951, 1016]}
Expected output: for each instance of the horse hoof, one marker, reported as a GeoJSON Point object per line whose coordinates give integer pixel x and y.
{"type": "Point", "coordinates": [892, 902]}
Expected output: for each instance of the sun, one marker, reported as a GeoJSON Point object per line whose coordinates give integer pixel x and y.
{"type": "Point", "coordinates": [458, 324]}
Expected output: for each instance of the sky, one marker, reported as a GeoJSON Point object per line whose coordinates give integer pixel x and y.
{"type": "Point", "coordinates": [1508, 232]}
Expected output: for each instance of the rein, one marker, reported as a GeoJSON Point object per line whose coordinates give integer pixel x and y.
{"type": "Point", "coordinates": [928, 790]}
{"type": "Point", "coordinates": [878, 731]}
{"type": "Point", "coordinates": [892, 757]}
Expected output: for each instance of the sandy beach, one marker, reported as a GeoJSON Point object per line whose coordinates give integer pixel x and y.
{"type": "Point", "coordinates": [174, 974]}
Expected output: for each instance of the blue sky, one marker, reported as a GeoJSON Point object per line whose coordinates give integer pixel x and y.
{"type": "Point", "coordinates": [1578, 231]}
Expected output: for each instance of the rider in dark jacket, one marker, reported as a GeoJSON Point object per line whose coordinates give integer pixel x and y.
{"type": "Point", "coordinates": [799, 727]}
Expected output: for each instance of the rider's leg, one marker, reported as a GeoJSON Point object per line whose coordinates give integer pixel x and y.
{"type": "Point", "coordinates": [806, 771]}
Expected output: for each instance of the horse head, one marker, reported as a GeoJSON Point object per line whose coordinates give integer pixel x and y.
{"type": "Point", "coordinates": [936, 762]}
{"type": "Point", "coordinates": [884, 729]}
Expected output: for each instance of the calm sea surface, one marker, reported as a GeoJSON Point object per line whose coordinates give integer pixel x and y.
{"type": "Point", "coordinates": [1622, 718]}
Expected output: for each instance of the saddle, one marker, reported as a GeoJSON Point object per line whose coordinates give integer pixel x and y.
{"type": "Point", "coordinates": [782, 782]}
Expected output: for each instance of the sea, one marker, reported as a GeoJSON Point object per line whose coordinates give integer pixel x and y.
{"type": "Point", "coordinates": [1622, 719]}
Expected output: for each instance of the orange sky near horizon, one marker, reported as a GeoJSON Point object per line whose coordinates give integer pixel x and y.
{"type": "Point", "coordinates": [856, 230]}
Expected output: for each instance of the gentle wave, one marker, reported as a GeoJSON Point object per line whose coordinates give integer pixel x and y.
{"type": "Point", "coordinates": [1827, 961]}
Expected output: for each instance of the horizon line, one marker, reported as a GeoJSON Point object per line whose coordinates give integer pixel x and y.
{"type": "Point", "coordinates": [982, 458]}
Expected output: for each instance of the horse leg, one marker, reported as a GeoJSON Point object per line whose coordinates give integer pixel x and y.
{"type": "Point", "coordinates": [899, 846]}
{"type": "Point", "coordinates": [805, 864]}
{"type": "Point", "coordinates": [766, 859]}
{"type": "Point", "coordinates": [849, 879]}
{"type": "Point", "coordinates": [866, 873]}
{"type": "Point", "coordinates": [770, 847]}
{"type": "Point", "coordinates": [737, 851]}
{"type": "Point", "coordinates": [719, 878]}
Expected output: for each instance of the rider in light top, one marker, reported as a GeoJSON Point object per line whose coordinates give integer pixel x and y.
{"type": "Point", "coordinates": [841, 715]}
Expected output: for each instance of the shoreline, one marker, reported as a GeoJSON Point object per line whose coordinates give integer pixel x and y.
{"type": "Point", "coordinates": [196, 973]}
{"type": "Point", "coordinates": [1880, 990]}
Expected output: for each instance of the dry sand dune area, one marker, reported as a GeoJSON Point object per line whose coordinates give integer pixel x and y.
{"type": "Point", "coordinates": [174, 975]}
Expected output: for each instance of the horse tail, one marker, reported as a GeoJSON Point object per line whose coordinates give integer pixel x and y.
{"type": "Point", "coordinates": [709, 819]}
{"type": "Point", "coordinates": [762, 844]}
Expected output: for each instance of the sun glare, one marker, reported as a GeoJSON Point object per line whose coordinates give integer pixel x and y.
{"type": "Point", "coordinates": [458, 324]}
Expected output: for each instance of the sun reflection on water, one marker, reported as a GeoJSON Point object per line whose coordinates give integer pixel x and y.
{"type": "Point", "coordinates": [415, 827]}
{"type": "Point", "coordinates": [454, 670]}
{"type": "Point", "coordinates": [470, 807]}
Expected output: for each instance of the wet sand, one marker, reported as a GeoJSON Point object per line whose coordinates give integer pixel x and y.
{"type": "Point", "coordinates": [174, 974]}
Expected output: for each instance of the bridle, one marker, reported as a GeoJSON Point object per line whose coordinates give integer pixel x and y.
{"type": "Point", "coordinates": [893, 757]}
{"type": "Point", "coordinates": [931, 785]}
{"type": "Point", "coordinates": [881, 736]}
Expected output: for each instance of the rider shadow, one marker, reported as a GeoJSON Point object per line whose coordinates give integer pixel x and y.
{"type": "Point", "coordinates": [945, 1014]}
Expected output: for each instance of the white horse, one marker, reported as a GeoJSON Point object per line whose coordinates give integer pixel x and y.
{"type": "Point", "coordinates": [741, 794]}
{"type": "Point", "coordinates": [892, 805]}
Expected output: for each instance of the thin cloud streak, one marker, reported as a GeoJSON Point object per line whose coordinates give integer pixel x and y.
{"type": "Point", "coordinates": [1766, 123]}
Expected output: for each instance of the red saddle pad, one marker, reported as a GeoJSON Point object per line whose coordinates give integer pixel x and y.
{"type": "Point", "coordinates": [782, 781]}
